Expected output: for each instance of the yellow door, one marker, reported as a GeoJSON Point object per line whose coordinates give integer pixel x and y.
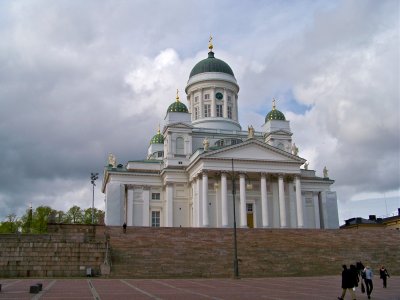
{"type": "Point", "coordinates": [250, 216]}
{"type": "Point", "coordinates": [250, 220]}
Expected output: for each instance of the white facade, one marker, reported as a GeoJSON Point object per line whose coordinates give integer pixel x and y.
{"type": "Point", "coordinates": [188, 177]}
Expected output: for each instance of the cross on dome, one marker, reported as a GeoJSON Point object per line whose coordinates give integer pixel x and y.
{"type": "Point", "coordinates": [210, 45]}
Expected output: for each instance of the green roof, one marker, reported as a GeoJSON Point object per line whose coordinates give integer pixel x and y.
{"type": "Point", "coordinates": [157, 139]}
{"type": "Point", "coordinates": [211, 64]}
{"type": "Point", "coordinates": [177, 106]}
{"type": "Point", "coordinates": [275, 114]}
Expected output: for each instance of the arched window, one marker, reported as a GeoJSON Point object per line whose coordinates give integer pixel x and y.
{"type": "Point", "coordinates": [180, 146]}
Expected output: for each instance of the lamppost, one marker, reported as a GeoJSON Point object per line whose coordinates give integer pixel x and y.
{"type": "Point", "coordinates": [235, 259]}
{"type": "Point", "coordinates": [93, 177]}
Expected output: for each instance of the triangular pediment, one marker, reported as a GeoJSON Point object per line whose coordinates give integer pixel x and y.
{"type": "Point", "coordinates": [280, 132]}
{"type": "Point", "coordinates": [253, 150]}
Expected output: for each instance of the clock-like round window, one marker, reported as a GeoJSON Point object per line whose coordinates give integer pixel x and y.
{"type": "Point", "coordinates": [219, 96]}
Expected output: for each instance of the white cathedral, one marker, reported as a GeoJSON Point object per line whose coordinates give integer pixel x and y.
{"type": "Point", "coordinates": [203, 167]}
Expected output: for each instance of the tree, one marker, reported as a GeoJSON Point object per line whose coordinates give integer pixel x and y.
{"type": "Point", "coordinates": [87, 216]}
{"type": "Point", "coordinates": [11, 224]}
{"type": "Point", "coordinates": [40, 218]}
{"type": "Point", "coordinates": [75, 215]}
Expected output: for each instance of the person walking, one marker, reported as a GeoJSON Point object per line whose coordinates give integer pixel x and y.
{"type": "Point", "coordinates": [355, 276]}
{"type": "Point", "coordinates": [368, 281]}
{"type": "Point", "coordinates": [347, 283]}
{"type": "Point", "coordinates": [124, 228]}
{"type": "Point", "coordinates": [384, 275]}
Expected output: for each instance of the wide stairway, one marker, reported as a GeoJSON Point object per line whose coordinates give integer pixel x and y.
{"type": "Point", "coordinates": [208, 252]}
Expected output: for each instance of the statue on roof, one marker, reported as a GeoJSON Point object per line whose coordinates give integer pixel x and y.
{"type": "Point", "coordinates": [250, 131]}
{"type": "Point", "coordinates": [295, 149]}
{"type": "Point", "coordinates": [206, 144]}
{"type": "Point", "coordinates": [325, 172]}
{"type": "Point", "coordinates": [112, 161]}
{"type": "Point", "coordinates": [306, 166]}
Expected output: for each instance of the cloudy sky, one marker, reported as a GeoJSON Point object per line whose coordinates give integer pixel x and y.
{"type": "Point", "coordinates": [81, 79]}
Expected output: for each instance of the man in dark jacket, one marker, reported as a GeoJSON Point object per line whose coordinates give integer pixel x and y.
{"type": "Point", "coordinates": [347, 283]}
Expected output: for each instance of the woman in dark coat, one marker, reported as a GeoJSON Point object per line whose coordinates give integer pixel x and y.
{"type": "Point", "coordinates": [384, 275]}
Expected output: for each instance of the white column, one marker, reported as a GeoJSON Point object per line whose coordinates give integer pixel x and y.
{"type": "Point", "coordinates": [199, 199]}
{"type": "Point", "coordinates": [299, 204]}
{"type": "Point", "coordinates": [282, 206]}
{"type": "Point", "coordinates": [264, 201]}
{"type": "Point", "coordinates": [213, 108]}
{"type": "Point", "coordinates": [225, 103]}
{"type": "Point", "coordinates": [146, 206]}
{"type": "Point", "coordinates": [316, 211]}
{"type": "Point", "coordinates": [201, 104]}
{"type": "Point", "coordinates": [235, 108]}
{"type": "Point", "coordinates": [243, 212]}
{"type": "Point", "coordinates": [191, 96]}
{"type": "Point", "coordinates": [129, 220]}
{"type": "Point", "coordinates": [169, 205]}
{"type": "Point", "coordinates": [205, 200]}
{"type": "Point", "coordinates": [224, 200]}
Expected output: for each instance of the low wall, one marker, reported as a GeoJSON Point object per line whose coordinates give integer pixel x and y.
{"type": "Point", "coordinates": [66, 251]}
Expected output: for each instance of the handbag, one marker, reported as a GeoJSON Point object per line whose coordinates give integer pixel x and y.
{"type": "Point", "coordinates": [362, 288]}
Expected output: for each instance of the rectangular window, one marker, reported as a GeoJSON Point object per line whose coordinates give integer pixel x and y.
{"type": "Point", "coordinates": [219, 110]}
{"type": "Point", "coordinates": [196, 113]}
{"type": "Point", "coordinates": [207, 110]}
{"type": "Point", "coordinates": [155, 196]}
{"type": "Point", "coordinates": [249, 207]}
{"type": "Point", "coordinates": [230, 112]}
{"type": "Point", "coordinates": [155, 218]}
{"type": "Point", "coordinates": [207, 97]}
{"type": "Point", "coordinates": [196, 99]}
{"type": "Point", "coordinates": [229, 98]}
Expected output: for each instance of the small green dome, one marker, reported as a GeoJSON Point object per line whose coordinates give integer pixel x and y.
{"type": "Point", "coordinates": [157, 139]}
{"type": "Point", "coordinates": [211, 64]}
{"type": "Point", "coordinates": [177, 106]}
{"type": "Point", "coordinates": [274, 114]}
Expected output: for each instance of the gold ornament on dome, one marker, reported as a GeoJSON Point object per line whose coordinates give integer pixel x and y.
{"type": "Point", "coordinates": [210, 45]}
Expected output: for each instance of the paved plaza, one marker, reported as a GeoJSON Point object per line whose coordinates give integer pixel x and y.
{"type": "Point", "coordinates": [325, 287]}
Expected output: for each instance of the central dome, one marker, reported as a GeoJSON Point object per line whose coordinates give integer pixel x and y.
{"type": "Point", "coordinates": [211, 64]}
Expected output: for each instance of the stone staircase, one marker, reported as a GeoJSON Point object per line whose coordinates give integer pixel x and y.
{"type": "Point", "coordinates": [208, 252]}
{"type": "Point", "coordinates": [142, 252]}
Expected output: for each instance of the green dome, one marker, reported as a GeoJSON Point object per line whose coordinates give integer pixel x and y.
{"type": "Point", "coordinates": [275, 114]}
{"type": "Point", "coordinates": [211, 64]}
{"type": "Point", "coordinates": [177, 106]}
{"type": "Point", "coordinates": [157, 139]}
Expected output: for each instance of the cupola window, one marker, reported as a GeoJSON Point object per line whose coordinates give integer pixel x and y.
{"type": "Point", "coordinates": [230, 112]}
{"type": "Point", "coordinates": [207, 110]}
{"type": "Point", "coordinates": [207, 97]}
{"type": "Point", "coordinates": [180, 146]}
{"type": "Point", "coordinates": [219, 110]}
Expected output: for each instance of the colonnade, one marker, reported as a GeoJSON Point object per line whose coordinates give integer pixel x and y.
{"type": "Point", "coordinates": [201, 189]}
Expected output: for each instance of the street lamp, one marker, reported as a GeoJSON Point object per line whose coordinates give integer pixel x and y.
{"type": "Point", "coordinates": [249, 186]}
{"type": "Point", "coordinates": [235, 257]}
{"type": "Point", "coordinates": [93, 177]}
